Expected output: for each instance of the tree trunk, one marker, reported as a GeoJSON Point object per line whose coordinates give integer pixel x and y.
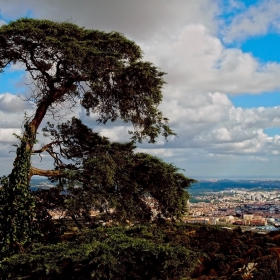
{"type": "Point", "coordinates": [17, 224]}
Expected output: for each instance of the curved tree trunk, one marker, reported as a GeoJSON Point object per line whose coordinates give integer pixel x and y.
{"type": "Point", "coordinates": [17, 216]}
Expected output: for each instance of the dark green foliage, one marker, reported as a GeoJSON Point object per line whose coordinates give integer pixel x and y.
{"type": "Point", "coordinates": [46, 201]}
{"type": "Point", "coordinates": [108, 177]}
{"type": "Point", "coordinates": [227, 253]}
{"type": "Point", "coordinates": [103, 69]}
{"type": "Point", "coordinates": [171, 251]}
{"type": "Point", "coordinates": [102, 254]}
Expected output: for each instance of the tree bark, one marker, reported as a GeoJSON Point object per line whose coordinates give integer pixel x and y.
{"type": "Point", "coordinates": [31, 129]}
{"type": "Point", "coordinates": [42, 172]}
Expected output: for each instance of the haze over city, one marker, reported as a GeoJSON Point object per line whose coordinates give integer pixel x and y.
{"type": "Point", "coordinates": [222, 95]}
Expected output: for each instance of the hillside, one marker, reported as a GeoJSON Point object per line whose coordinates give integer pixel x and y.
{"type": "Point", "coordinates": [166, 251]}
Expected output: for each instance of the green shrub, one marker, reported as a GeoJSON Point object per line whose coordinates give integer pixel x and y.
{"type": "Point", "coordinates": [108, 255]}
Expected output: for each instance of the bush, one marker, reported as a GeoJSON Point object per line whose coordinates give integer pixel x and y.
{"type": "Point", "coordinates": [101, 254]}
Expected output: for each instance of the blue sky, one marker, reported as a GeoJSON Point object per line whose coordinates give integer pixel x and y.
{"type": "Point", "coordinates": [10, 81]}
{"type": "Point", "coordinates": [223, 84]}
{"type": "Point", "coordinates": [265, 48]}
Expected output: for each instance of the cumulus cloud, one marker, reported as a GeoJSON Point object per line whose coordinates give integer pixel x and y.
{"type": "Point", "coordinates": [10, 103]}
{"type": "Point", "coordinates": [181, 38]}
{"type": "Point", "coordinates": [115, 134]}
{"type": "Point", "coordinates": [197, 61]}
{"type": "Point", "coordinates": [256, 20]}
{"type": "Point", "coordinates": [137, 19]}
{"type": "Point", "coordinates": [6, 135]}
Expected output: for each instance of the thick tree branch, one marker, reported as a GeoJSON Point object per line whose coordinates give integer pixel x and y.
{"type": "Point", "coordinates": [42, 108]}
{"type": "Point", "coordinates": [42, 172]}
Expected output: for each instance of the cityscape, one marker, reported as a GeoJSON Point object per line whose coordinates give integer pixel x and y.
{"type": "Point", "coordinates": [258, 205]}
{"type": "Point", "coordinates": [252, 204]}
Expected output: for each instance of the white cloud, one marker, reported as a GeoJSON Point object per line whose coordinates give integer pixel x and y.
{"type": "Point", "coordinates": [10, 103]}
{"type": "Point", "coordinates": [216, 127]}
{"type": "Point", "coordinates": [115, 134]}
{"type": "Point", "coordinates": [256, 20]}
{"type": "Point", "coordinates": [137, 19]}
{"type": "Point", "coordinates": [197, 61]}
{"type": "Point", "coordinates": [6, 135]}
{"type": "Point", "coordinates": [181, 38]}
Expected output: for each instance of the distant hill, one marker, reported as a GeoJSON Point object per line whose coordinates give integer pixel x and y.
{"type": "Point", "coordinates": [225, 184]}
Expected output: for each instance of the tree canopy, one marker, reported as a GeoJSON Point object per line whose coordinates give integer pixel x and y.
{"type": "Point", "coordinates": [102, 175]}
{"type": "Point", "coordinates": [105, 73]}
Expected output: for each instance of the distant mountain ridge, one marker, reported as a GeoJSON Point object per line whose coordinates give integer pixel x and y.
{"type": "Point", "coordinates": [204, 185]}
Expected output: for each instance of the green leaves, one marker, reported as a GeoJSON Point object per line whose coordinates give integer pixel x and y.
{"type": "Point", "coordinates": [112, 253]}
{"type": "Point", "coordinates": [104, 69]}
{"type": "Point", "coordinates": [17, 211]}
{"type": "Point", "coordinates": [112, 178]}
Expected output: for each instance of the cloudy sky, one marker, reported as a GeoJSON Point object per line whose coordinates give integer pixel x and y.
{"type": "Point", "coordinates": [222, 96]}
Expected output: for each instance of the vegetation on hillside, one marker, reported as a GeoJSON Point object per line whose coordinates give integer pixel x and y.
{"type": "Point", "coordinates": [166, 251]}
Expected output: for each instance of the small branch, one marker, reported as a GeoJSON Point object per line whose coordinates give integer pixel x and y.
{"type": "Point", "coordinates": [56, 158]}
{"type": "Point", "coordinates": [46, 147]}
{"type": "Point", "coordinates": [49, 149]}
